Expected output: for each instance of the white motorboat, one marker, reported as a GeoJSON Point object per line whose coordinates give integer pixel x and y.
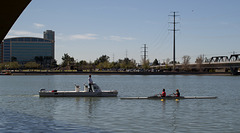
{"type": "Point", "coordinates": [96, 92]}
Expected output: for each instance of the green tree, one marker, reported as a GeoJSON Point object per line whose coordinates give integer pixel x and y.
{"type": "Point", "coordinates": [103, 65]}
{"type": "Point", "coordinates": [83, 62]}
{"type": "Point", "coordinates": [145, 65]}
{"type": "Point", "coordinates": [126, 63]}
{"type": "Point", "coordinates": [39, 59]}
{"type": "Point", "coordinates": [46, 61]}
{"type": "Point", "coordinates": [1, 66]}
{"type": "Point", "coordinates": [13, 65]}
{"type": "Point", "coordinates": [67, 60]}
{"type": "Point", "coordinates": [13, 59]}
{"type": "Point", "coordinates": [114, 65]}
{"type": "Point", "coordinates": [155, 62]}
{"type": "Point", "coordinates": [82, 65]}
{"type": "Point", "coordinates": [49, 62]}
{"type": "Point", "coordinates": [31, 65]}
{"type": "Point", "coordinates": [9, 65]}
{"type": "Point", "coordinates": [91, 66]}
{"type": "Point", "coordinates": [102, 59]}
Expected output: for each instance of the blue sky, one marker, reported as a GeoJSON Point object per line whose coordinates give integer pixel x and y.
{"type": "Point", "coordinates": [87, 29]}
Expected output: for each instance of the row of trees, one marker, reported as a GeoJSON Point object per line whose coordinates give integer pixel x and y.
{"type": "Point", "coordinates": [16, 65]}
{"type": "Point", "coordinates": [101, 63]}
{"type": "Point", "coordinates": [39, 62]}
{"type": "Point", "coordinates": [104, 63]}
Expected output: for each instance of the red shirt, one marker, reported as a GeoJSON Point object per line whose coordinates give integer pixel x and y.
{"type": "Point", "coordinates": [163, 94]}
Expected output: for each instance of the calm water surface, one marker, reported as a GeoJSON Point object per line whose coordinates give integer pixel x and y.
{"type": "Point", "coordinates": [21, 109]}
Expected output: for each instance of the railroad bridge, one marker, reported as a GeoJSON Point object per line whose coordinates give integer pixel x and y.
{"type": "Point", "coordinates": [225, 63]}
{"type": "Point", "coordinates": [233, 58]}
{"type": "Point", "coordinates": [216, 63]}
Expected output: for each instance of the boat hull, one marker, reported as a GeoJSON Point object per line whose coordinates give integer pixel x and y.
{"type": "Point", "coordinates": [77, 94]}
{"type": "Point", "coordinates": [172, 97]}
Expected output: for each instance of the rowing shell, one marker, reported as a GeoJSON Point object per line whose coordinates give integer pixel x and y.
{"type": "Point", "coordinates": [172, 97]}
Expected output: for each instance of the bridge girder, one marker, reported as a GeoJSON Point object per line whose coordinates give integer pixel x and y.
{"type": "Point", "coordinates": [9, 12]}
{"type": "Point", "coordinates": [219, 59]}
{"type": "Point", "coordinates": [234, 57]}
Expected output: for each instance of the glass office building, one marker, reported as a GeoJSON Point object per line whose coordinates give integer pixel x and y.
{"type": "Point", "coordinates": [24, 49]}
{"type": "Point", "coordinates": [49, 34]}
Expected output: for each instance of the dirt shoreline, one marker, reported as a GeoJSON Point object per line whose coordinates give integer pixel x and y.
{"type": "Point", "coordinates": [124, 73]}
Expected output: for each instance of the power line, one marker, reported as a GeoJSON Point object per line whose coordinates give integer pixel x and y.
{"type": "Point", "coordinates": [233, 52]}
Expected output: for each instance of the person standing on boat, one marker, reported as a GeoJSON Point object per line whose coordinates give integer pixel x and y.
{"type": "Point", "coordinates": [163, 93]}
{"type": "Point", "coordinates": [177, 94]}
{"type": "Point", "coordinates": [90, 83]}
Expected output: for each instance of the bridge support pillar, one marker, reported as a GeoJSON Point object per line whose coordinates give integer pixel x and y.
{"type": "Point", "coordinates": [234, 70]}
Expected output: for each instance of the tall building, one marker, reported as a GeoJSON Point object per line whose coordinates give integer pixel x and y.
{"type": "Point", "coordinates": [25, 49]}
{"type": "Point", "coordinates": [49, 34]}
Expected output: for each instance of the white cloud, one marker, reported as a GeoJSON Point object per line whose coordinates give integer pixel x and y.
{"type": "Point", "coordinates": [118, 38]}
{"type": "Point", "coordinates": [37, 25]}
{"type": "Point", "coordinates": [84, 37]}
{"type": "Point", "coordinates": [21, 33]}
{"type": "Point", "coordinates": [88, 36]}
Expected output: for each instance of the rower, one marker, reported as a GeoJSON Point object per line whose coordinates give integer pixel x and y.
{"type": "Point", "coordinates": [163, 93]}
{"type": "Point", "coordinates": [177, 94]}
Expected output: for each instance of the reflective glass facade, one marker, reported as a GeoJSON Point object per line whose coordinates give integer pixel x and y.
{"type": "Point", "coordinates": [26, 48]}
{"type": "Point", "coordinates": [49, 34]}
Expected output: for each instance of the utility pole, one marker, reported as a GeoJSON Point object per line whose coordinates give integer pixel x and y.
{"type": "Point", "coordinates": [144, 53]}
{"type": "Point", "coordinates": [126, 53]}
{"type": "Point", "coordinates": [203, 58]}
{"type": "Point", "coordinates": [174, 29]}
{"type": "Point", "coordinates": [233, 52]}
{"type": "Point", "coordinates": [113, 57]}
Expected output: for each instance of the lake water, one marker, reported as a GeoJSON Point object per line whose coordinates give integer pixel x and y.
{"type": "Point", "coordinates": [22, 110]}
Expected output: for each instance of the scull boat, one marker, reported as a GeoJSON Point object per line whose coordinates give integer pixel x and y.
{"type": "Point", "coordinates": [96, 92]}
{"type": "Point", "coordinates": [172, 97]}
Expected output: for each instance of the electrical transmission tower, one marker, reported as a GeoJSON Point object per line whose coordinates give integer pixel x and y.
{"type": "Point", "coordinates": [174, 29]}
{"type": "Point", "coordinates": [144, 53]}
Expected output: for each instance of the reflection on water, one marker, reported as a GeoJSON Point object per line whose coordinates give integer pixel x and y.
{"type": "Point", "coordinates": [20, 122]}
{"type": "Point", "coordinates": [89, 101]}
{"type": "Point", "coordinates": [174, 115]}
{"type": "Point", "coordinates": [23, 111]}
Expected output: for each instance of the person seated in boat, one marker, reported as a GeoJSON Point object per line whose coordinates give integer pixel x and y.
{"type": "Point", "coordinates": [163, 93]}
{"type": "Point", "coordinates": [90, 83]}
{"type": "Point", "coordinates": [177, 94]}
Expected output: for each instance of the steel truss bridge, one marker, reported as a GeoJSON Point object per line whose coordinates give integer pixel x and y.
{"type": "Point", "coordinates": [226, 63]}
{"type": "Point", "coordinates": [214, 64]}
